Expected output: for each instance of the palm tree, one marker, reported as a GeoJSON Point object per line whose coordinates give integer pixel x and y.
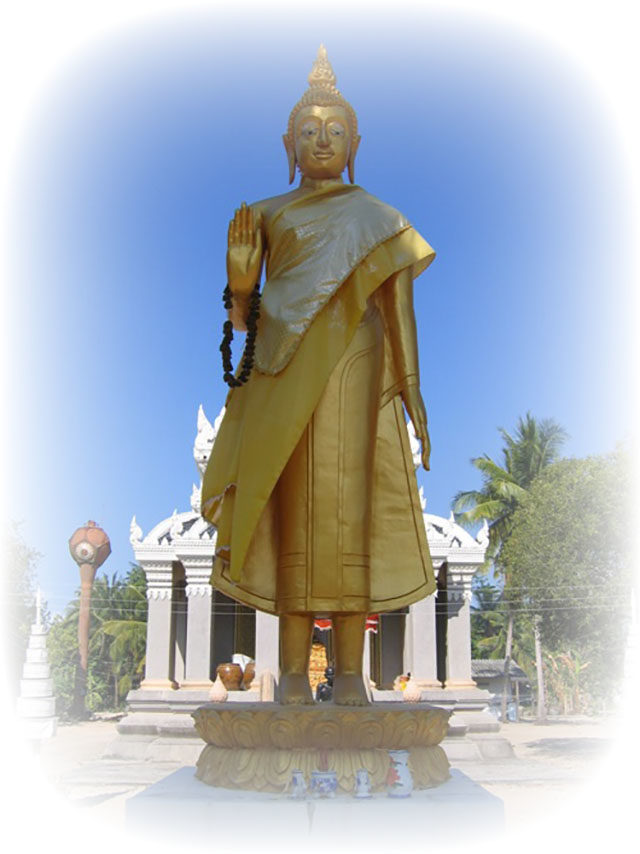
{"type": "Point", "coordinates": [127, 653]}
{"type": "Point", "coordinates": [121, 628]}
{"type": "Point", "coordinates": [487, 620]}
{"type": "Point", "coordinates": [489, 629]}
{"type": "Point", "coordinates": [128, 628]}
{"type": "Point", "coordinates": [535, 445]}
{"type": "Point", "coordinates": [117, 636]}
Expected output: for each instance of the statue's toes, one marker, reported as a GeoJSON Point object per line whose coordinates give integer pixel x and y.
{"type": "Point", "coordinates": [295, 690]}
{"type": "Point", "coordinates": [350, 700]}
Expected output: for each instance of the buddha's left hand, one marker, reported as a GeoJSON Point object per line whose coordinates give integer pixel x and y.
{"type": "Point", "coordinates": [416, 411]}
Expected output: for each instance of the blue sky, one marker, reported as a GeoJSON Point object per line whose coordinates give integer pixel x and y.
{"type": "Point", "coordinates": [489, 140]}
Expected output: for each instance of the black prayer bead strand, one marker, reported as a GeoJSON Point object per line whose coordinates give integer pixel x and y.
{"type": "Point", "coordinates": [246, 364]}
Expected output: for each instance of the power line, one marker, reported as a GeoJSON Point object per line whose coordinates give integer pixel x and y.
{"type": "Point", "coordinates": [476, 591]}
{"type": "Point", "coordinates": [622, 605]}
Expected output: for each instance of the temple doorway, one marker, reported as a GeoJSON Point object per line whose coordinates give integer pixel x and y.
{"type": "Point", "coordinates": [442, 615]}
{"type": "Point", "coordinates": [387, 648]}
{"type": "Point", "coordinates": [233, 630]}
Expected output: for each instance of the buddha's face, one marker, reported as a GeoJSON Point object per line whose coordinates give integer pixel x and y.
{"type": "Point", "coordinates": [322, 141]}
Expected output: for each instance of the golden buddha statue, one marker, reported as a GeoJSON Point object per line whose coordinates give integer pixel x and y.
{"type": "Point", "coordinates": [311, 481]}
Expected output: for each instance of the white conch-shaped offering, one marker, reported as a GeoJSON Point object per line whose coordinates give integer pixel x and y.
{"type": "Point", "coordinates": [218, 693]}
{"type": "Point", "coordinates": [412, 692]}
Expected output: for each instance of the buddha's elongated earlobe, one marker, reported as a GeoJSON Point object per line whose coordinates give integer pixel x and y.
{"type": "Point", "coordinates": [291, 156]}
{"type": "Point", "coordinates": [352, 159]}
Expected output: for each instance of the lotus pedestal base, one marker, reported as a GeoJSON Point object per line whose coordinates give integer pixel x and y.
{"type": "Point", "coordinates": [257, 746]}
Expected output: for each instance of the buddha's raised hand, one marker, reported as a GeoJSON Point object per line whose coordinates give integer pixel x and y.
{"type": "Point", "coordinates": [244, 252]}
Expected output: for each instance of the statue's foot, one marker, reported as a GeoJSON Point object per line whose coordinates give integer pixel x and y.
{"type": "Point", "coordinates": [294, 689]}
{"type": "Point", "coordinates": [349, 690]}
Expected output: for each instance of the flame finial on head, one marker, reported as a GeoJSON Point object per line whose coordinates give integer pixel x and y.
{"type": "Point", "coordinates": [322, 75]}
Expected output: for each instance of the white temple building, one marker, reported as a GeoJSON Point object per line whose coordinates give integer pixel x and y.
{"type": "Point", "coordinates": [192, 627]}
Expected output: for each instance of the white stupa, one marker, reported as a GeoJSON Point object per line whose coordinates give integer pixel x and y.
{"type": "Point", "coordinates": [36, 703]}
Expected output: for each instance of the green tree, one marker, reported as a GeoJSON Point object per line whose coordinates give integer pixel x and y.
{"type": "Point", "coordinates": [62, 646]}
{"type": "Point", "coordinates": [19, 582]}
{"type": "Point", "coordinates": [489, 627]}
{"type": "Point", "coordinates": [487, 620]}
{"type": "Point", "coordinates": [567, 561]}
{"type": "Point", "coordinates": [533, 447]}
{"type": "Point", "coordinates": [117, 635]}
{"type": "Point", "coordinates": [128, 634]}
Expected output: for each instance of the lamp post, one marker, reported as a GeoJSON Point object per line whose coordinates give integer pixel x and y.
{"type": "Point", "coordinates": [89, 547]}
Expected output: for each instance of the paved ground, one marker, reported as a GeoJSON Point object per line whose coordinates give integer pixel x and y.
{"type": "Point", "coordinates": [72, 762]}
{"type": "Point", "coordinates": [555, 768]}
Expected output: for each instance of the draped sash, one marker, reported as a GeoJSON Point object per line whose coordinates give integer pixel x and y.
{"type": "Point", "coordinates": [315, 242]}
{"type": "Point", "coordinates": [265, 418]}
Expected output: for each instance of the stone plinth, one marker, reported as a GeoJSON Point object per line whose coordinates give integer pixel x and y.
{"type": "Point", "coordinates": [182, 811]}
{"type": "Point", "coordinates": [256, 746]}
{"type": "Point", "coordinates": [469, 707]}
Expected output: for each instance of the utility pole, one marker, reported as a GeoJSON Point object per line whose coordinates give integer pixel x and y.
{"type": "Point", "coordinates": [506, 679]}
{"type": "Point", "coordinates": [542, 712]}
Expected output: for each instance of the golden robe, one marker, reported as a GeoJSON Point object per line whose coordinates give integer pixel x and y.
{"type": "Point", "coordinates": [311, 482]}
